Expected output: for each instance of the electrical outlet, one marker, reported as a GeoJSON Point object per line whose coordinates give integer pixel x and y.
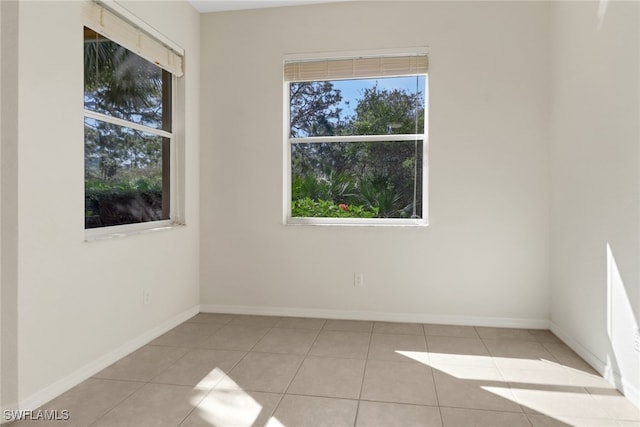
{"type": "Point", "coordinates": [636, 340]}
{"type": "Point", "coordinates": [358, 280]}
{"type": "Point", "coordinates": [146, 296]}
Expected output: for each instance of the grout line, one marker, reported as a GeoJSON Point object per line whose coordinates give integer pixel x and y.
{"type": "Point", "coordinates": [304, 357]}
{"type": "Point", "coordinates": [431, 372]}
{"type": "Point", "coordinates": [364, 373]}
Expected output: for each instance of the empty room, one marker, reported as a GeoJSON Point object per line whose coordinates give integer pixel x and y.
{"type": "Point", "coordinates": [320, 213]}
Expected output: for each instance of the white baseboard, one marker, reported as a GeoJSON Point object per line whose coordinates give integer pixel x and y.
{"type": "Point", "coordinates": [502, 322]}
{"type": "Point", "coordinates": [54, 390]}
{"type": "Point", "coordinates": [605, 369]}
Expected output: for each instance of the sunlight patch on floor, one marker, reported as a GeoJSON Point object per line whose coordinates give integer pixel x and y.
{"type": "Point", "coordinates": [418, 356]}
{"type": "Point", "coordinates": [227, 407]}
{"type": "Point", "coordinates": [273, 422]}
{"type": "Point", "coordinates": [211, 379]}
{"type": "Point", "coordinates": [558, 393]}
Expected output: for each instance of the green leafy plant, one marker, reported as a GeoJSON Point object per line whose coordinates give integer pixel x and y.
{"type": "Point", "coordinates": [309, 208]}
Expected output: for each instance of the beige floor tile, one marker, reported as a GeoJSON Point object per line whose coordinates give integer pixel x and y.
{"type": "Point", "coordinates": [544, 335]}
{"type": "Point", "coordinates": [143, 364]}
{"type": "Point", "coordinates": [401, 348]}
{"type": "Point", "coordinates": [300, 323]}
{"type": "Point", "coordinates": [554, 375]}
{"type": "Point", "coordinates": [450, 331]}
{"type": "Point", "coordinates": [341, 344]}
{"type": "Point", "coordinates": [398, 382]}
{"type": "Point", "coordinates": [505, 334]}
{"type": "Point", "coordinates": [233, 408]}
{"type": "Point", "coordinates": [456, 417]}
{"type": "Point", "coordinates": [558, 402]}
{"type": "Point", "coordinates": [615, 404]}
{"type": "Point", "coordinates": [398, 328]}
{"type": "Point", "coordinates": [478, 388]}
{"type": "Point", "coordinates": [266, 372]}
{"type": "Point", "coordinates": [234, 337]}
{"type": "Point", "coordinates": [218, 318]}
{"type": "Point", "coordinates": [187, 334]}
{"type": "Point", "coordinates": [312, 411]}
{"type": "Point", "coordinates": [259, 321]}
{"type": "Point", "coordinates": [539, 420]}
{"type": "Point", "coordinates": [348, 325]}
{"type": "Point", "coordinates": [525, 364]}
{"type": "Point", "coordinates": [518, 349]}
{"type": "Point", "coordinates": [438, 360]}
{"type": "Point", "coordinates": [456, 345]}
{"type": "Point", "coordinates": [382, 414]}
{"type": "Point", "coordinates": [480, 377]}
{"type": "Point", "coordinates": [559, 349]}
{"type": "Point", "coordinates": [286, 341]}
{"type": "Point", "coordinates": [458, 351]}
{"type": "Point", "coordinates": [329, 377]}
{"type": "Point", "coordinates": [153, 405]}
{"type": "Point", "coordinates": [584, 379]}
{"type": "Point", "coordinates": [529, 371]}
{"type": "Point", "coordinates": [202, 368]}
{"type": "Point", "coordinates": [465, 372]}
{"type": "Point", "coordinates": [563, 354]}
{"type": "Point", "coordinates": [85, 403]}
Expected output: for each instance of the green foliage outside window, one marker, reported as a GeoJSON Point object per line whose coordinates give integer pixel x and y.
{"type": "Point", "coordinates": [375, 179]}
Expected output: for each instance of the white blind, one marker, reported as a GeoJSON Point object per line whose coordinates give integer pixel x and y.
{"type": "Point", "coordinates": [353, 68]}
{"type": "Point", "coordinates": [130, 36]}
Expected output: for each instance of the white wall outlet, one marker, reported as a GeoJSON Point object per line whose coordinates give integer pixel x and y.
{"type": "Point", "coordinates": [146, 296]}
{"type": "Point", "coordinates": [636, 340]}
{"type": "Point", "coordinates": [358, 280]}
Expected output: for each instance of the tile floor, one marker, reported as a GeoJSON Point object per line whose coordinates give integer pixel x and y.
{"type": "Point", "coordinates": [237, 370]}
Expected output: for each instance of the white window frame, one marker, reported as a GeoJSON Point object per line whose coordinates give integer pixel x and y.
{"type": "Point", "coordinates": [174, 66]}
{"type": "Point", "coordinates": [288, 142]}
{"type": "Point", "coordinates": [111, 231]}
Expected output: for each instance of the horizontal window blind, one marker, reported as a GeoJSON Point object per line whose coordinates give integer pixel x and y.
{"type": "Point", "coordinates": [354, 68]}
{"type": "Point", "coordinates": [128, 35]}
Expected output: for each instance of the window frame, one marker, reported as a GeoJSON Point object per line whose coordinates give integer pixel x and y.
{"type": "Point", "coordinates": [288, 141]}
{"type": "Point", "coordinates": [174, 210]}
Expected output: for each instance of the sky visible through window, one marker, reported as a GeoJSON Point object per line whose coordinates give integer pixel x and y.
{"type": "Point", "coordinates": [352, 90]}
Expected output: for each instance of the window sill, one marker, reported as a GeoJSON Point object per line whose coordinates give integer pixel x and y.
{"type": "Point", "coordinates": [358, 222]}
{"type": "Point", "coordinates": [118, 231]}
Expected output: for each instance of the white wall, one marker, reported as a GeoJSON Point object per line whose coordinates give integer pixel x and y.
{"type": "Point", "coordinates": [484, 256]}
{"type": "Point", "coordinates": [8, 204]}
{"type": "Point", "coordinates": [79, 301]}
{"type": "Point", "coordinates": [596, 184]}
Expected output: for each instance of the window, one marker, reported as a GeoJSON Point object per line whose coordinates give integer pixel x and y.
{"type": "Point", "coordinates": [356, 140]}
{"type": "Point", "coordinates": [128, 124]}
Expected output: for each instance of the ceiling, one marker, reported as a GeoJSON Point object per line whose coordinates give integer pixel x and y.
{"type": "Point", "coordinates": [222, 5]}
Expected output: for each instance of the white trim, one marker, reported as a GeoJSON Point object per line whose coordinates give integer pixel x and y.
{"type": "Point", "coordinates": [607, 370]}
{"type": "Point", "coordinates": [117, 231]}
{"type": "Point", "coordinates": [359, 138]}
{"type": "Point", "coordinates": [133, 19]}
{"type": "Point", "coordinates": [54, 390]}
{"type": "Point", "coordinates": [425, 153]}
{"type": "Point", "coordinates": [408, 222]}
{"type": "Point", "coordinates": [112, 20]}
{"type": "Point", "coordinates": [175, 207]}
{"type": "Point", "coordinates": [288, 142]}
{"type": "Point", "coordinates": [126, 123]}
{"type": "Point", "coordinates": [500, 322]}
{"type": "Point", "coordinates": [365, 53]}
{"type": "Point", "coordinates": [286, 152]}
